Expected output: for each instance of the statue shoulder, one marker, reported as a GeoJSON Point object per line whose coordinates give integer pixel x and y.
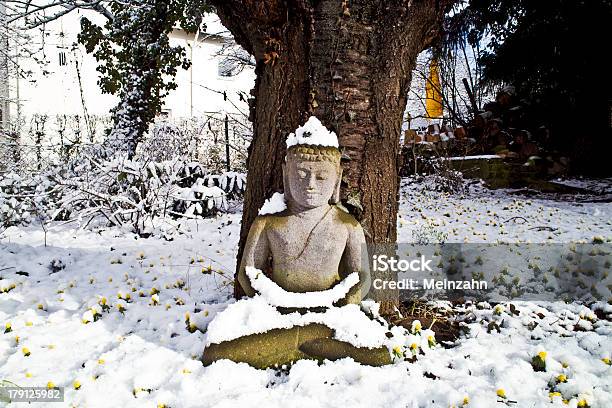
{"type": "Point", "coordinates": [345, 217]}
{"type": "Point", "coordinates": [259, 223]}
{"type": "Point", "coordinates": [270, 221]}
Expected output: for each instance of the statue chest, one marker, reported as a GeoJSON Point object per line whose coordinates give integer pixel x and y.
{"type": "Point", "coordinates": [306, 255]}
{"type": "Point", "coordinates": [296, 240]}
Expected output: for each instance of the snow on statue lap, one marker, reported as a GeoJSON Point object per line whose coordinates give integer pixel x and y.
{"type": "Point", "coordinates": [309, 307]}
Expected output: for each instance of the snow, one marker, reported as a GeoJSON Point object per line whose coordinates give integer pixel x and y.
{"type": "Point", "coordinates": [145, 355]}
{"type": "Point", "coordinates": [259, 314]}
{"type": "Point", "coordinates": [255, 315]}
{"type": "Point", "coordinates": [277, 296]}
{"type": "Point", "coordinates": [273, 205]}
{"type": "Point", "coordinates": [312, 133]}
{"type": "Point", "coordinates": [481, 156]}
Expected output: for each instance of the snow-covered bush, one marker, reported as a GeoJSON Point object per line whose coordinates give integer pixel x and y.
{"type": "Point", "coordinates": [118, 191]}
{"type": "Point", "coordinates": [198, 139]}
{"type": "Point", "coordinates": [135, 193]}
{"type": "Point", "coordinates": [231, 182]}
{"type": "Point", "coordinates": [445, 179]}
{"type": "Point", "coordinates": [199, 200]}
{"type": "Point", "coordinates": [25, 199]}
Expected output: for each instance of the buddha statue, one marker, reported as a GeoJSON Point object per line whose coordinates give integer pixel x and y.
{"type": "Point", "coordinates": [313, 243]}
{"type": "Point", "coordinates": [308, 246]}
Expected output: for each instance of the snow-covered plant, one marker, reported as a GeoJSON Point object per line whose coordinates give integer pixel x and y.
{"type": "Point", "coordinates": [428, 233]}
{"type": "Point", "coordinates": [199, 200]}
{"type": "Point", "coordinates": [231, 182]}
{"type": "Point", "coordinates": [118, 191]}
{"type": "Point", "coordinates": [137, 61]}
{"type": "Point", "coordinates": [24, 200]}
{"type": "Point", "coordinates": [445, 179]}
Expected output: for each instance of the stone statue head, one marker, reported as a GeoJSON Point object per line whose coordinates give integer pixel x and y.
{"type": "Point", "coordinates": [311, 175]}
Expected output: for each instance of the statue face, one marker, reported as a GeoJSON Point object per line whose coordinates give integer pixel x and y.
{"type": "Point", "coordinates": [312, 183]}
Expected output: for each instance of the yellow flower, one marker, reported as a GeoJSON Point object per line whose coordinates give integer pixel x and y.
{"type": "Point", "coordinates": [101, 361]}
{"type": "Point", "coordinates": [538, 362]}
{"type": "Point", "coordinates": [397, 350]}
{"type": "Point", "coordinates": [29, 323]}
{"type": "Point", "coordinates": [102, 301]}
{"type": "Point", "coordinates": [26, 351]}
{"type": "Point", "coordinates": [7, 328]}
{"type": "Point", "coordinates": [416, 327]}
{"type": "Point", "coordinates": [16, 339]}
{"type": "Point", "coordinates": [431, 341]}
{"type": "Point", "coordinates": [583, 403]}
{"type": "Point", "coordinates": [561, 378]}
{"type": "Point", "coordinates": [501, 393]}
{"type": "Point", "coordinates": [606, 360]}
{"type": "Point", "coordinates": [186, 371]}
{"type": "Point", "coordinates": [50, 385]}
{"type": "Point", "coordinates": [28, 375]}
{"type": "Point", "coordinates": [414, 346]}
{"type": "Point", "coordinates": [466, 401]}
{"type": "Point", "coordinates": [554, 394]}
{"type": "Point", "coordinates": [160, 405]}
{"type": "Point", "coordinates": [76, 384]}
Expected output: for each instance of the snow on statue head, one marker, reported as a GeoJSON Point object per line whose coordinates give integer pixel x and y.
{"type": "Point", "coordinates": [312, 172]}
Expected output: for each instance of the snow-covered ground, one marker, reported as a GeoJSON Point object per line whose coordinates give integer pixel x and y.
{"type": "Point", "coordinates": [72, 323]}
{"type": "Point", "coordinates": [499, 216]}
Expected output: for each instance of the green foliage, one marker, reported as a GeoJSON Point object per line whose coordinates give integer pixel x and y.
{"type": "Point", "coordinates": [551, 52]}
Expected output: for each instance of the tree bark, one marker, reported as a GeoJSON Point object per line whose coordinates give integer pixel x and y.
{"type": "Point", "coordinates": [347, 62]}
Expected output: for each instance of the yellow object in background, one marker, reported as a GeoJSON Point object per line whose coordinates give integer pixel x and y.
{"type": "Point", "coordinates": [433, 95]}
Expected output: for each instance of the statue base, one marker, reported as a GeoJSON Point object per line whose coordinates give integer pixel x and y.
{"type": "Point", "coordinates": [278, 347]}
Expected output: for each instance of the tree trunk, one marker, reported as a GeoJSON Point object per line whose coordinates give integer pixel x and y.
{"type": "Point", "coordinates": [347, 62]}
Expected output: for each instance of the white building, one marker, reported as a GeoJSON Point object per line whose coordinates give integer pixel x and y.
{"type": "Point", "coordinates": [67, 83]}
